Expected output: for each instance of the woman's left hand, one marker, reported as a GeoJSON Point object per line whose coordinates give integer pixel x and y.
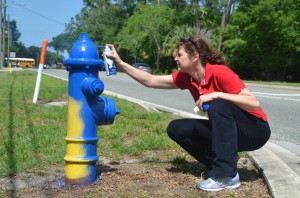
{"type": "Point", "coordinates": [206, 98]}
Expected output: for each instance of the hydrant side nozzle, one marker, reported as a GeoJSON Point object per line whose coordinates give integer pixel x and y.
{"type": "Point", "coordinates": [111, 110]}
{"type": "Point", "coordinates": [92, 86]}
{"type": "Point", "coordinates": [104, 110]}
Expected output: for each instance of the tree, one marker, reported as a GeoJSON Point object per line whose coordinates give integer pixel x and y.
{"type": "Point", "coordinates": [227, 6]}
{"type": "Point", "coordinates": [15, 33]}
{"type": "Point", "coordinates": [150, 28]}
{"type": "Point", "coordinates": [103, 20]}
{"type": "Point", "coordinates": [62, 42]}
{"type": "Point", "coordinates": [176, 34]}
{"type": "Point", "coordinates": [266, 37]}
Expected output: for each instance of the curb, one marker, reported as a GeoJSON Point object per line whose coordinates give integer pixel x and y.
{"type": "Point", "coordinates": [154, 107]}
{"type": "Point", "coordinates": [281, 180]}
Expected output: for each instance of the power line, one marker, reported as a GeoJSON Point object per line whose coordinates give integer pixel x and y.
{"type": "Point", "coordinates": [45, 17]}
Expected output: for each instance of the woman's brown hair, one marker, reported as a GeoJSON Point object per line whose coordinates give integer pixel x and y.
{"type": "Point", "coordinates": [195, 44]}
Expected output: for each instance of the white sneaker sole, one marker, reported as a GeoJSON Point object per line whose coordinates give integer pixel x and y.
{"type": "Point", "coordinates": [218, 189]}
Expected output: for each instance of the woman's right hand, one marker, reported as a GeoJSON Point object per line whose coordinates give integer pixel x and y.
{"type": "Point", "coordinates": [146, 79]}
{"type": "Point", "coordinates": [114, 55]}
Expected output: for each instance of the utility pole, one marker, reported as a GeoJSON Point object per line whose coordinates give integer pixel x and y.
{"type": "Point", "coordinates": [1, 54]}
{"type": "Point", "coordinates": [8, 39]}
{"type": "Point", "coordinates": [3, 30]}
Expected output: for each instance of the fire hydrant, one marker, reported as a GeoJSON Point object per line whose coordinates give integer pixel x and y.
{"type": "Point", "coordinates": [86, 110]}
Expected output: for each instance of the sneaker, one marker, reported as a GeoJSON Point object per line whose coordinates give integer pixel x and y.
{"type": "Point", "coordinates": [219, 183]}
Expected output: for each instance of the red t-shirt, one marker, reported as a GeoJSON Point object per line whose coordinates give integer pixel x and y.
{"type": "Point", "coordinates": [217, 78]}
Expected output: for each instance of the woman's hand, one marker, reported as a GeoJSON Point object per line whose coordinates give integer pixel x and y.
{"type": "Point", "coordinates": [206, 99]}
{"type": "Point", "coordinates": [146, 79]}
{"type": "Point", "coordinates": [114, 55]}
{"type": "Point", "coordinates": [244, 99]}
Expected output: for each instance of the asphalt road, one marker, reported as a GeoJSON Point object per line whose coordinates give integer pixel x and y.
{"type": "Point", "coordinates": [281, 104]}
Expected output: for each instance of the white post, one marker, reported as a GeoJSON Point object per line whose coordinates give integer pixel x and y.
{"type": "Point", "coordinates": [40, 71]}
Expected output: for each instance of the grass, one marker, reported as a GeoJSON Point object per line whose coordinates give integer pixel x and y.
{"type": "Point", "coordinates": [32, 138]}
{"type": "Point", "coordinates": [32, 135]}
{"type": "Point", "coordinates": [273, 83]}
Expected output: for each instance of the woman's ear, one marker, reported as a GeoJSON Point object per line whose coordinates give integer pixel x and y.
{"type": "Point", "coordinates": [195, 57]}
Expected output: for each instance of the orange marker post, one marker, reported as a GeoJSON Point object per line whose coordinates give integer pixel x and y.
{"type": "Point", "coordinates": [39, 76]}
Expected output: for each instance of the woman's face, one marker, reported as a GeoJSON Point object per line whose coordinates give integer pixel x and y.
{"type": "Point", "coordinates": [183, 60]}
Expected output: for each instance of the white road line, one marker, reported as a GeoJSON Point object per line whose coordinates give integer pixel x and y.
{"type": "Point", "coordinates": [273, 94]}
{"type": "Point", "coordinates": [279, 98]}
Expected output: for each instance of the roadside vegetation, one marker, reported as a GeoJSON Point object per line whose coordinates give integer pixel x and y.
{"type": "Point", "coordinates": [259, 40]}
{"type": "Point", "coordinates": [275, 83]}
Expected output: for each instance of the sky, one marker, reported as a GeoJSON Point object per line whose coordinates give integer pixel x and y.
{"type": "Point", "coordinates": [41, 19]}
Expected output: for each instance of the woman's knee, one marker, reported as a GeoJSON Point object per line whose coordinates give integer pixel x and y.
{"type": "Point", "coordinates": [172, 129]}
{"type": "Point", "coordinates": [181, 129]}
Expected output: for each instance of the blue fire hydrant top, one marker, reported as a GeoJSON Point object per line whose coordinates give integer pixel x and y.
{"type": "Point", "coordinates": [84, 53]}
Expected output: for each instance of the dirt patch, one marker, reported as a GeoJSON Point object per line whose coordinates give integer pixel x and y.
{"type": "Point", "coordinates": [133, 178]}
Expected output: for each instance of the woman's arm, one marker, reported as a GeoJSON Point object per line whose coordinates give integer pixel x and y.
{"type": "Point", "coordinates": [246, 100]}
{"type": "Point", "coordinates": [146, 79]}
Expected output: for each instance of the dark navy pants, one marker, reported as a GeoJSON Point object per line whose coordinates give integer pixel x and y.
{"type": "Point", "coordinates": [216, 142]}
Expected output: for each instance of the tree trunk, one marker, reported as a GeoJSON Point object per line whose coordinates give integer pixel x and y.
{"type": "Point", "coordinates": [197, 15]}
{"type": "Point", "coordinates": [223, 26]}
{"type": "Point", "coordinates": [157, 60]}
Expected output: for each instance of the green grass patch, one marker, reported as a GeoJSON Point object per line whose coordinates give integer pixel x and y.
{"type": "Point", "coordinates": [289, 84]}
{"type": "Point", "coordinates": [33, 135]}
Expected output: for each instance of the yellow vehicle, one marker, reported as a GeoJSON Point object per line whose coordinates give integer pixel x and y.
{"type": "Point", "coordinates": [21, 62]}
{"type": "Point", "coordinates": [58, 66]}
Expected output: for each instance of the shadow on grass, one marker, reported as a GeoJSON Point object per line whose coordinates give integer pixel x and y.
{"type": "Point", "coordinates": [190, 167]}
{"type": "Point", "coordinates": [11, 163]}
{"type": "Point", "coordinates": [104, 168]}
{"type": "Point", "coordinates": [29, 124]}
{"type": "Point", "coordinates": [197, 169]}
{"type": "Point", "coordinates": [11, 149]}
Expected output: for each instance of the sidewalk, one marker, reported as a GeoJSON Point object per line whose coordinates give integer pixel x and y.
{"type": "Point", "coordinates": [281, 180]}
